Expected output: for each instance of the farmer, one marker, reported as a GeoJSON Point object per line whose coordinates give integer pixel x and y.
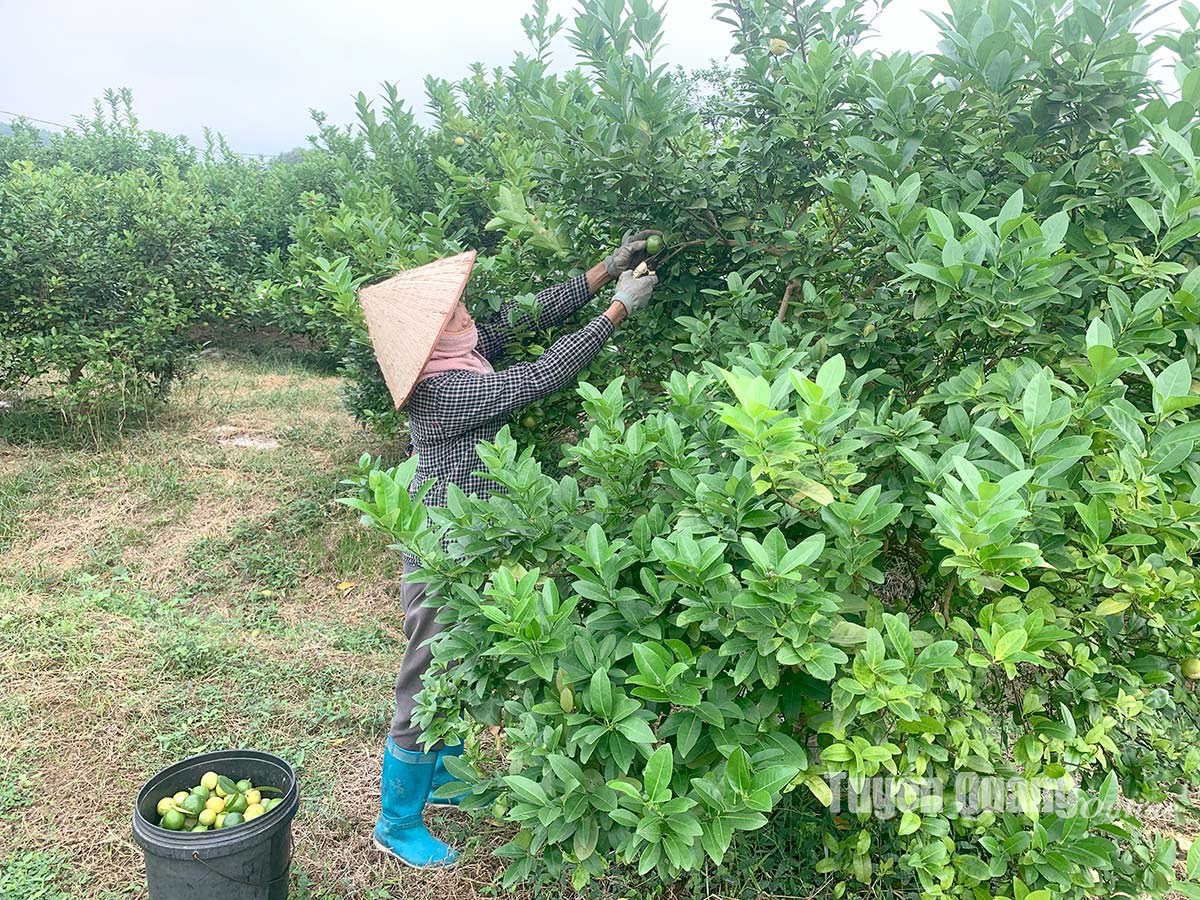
{"type": "Point", "coordinates": [438, 361]}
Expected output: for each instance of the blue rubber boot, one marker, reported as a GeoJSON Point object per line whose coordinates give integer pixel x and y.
{"type": "Point", "coordinates": [441, 777]}
{"type": "Point", "coordinates": [400, 831]}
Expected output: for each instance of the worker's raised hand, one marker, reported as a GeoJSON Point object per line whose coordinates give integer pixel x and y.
{"type": "Point", "coordinates": [631, 252]}
{"type": "Point", "coordinates": [633, 291]}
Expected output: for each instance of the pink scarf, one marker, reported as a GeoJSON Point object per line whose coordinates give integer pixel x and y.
{"type": "Point", "coordinates": [455, 351]}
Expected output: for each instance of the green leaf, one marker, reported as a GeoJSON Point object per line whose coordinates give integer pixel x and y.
{"type": "Point", "coordinates": [1178, 233]}
{"type": "Point", "coordinates": [737, 770]}
{"type": "Point", "coordinates": [1111, 606]}
{"type": "Point", "coordinates": [1180, 144]}
{"type": "Point", "coordinates": [1146, 213]}
{"type": "Point", "coordinates": [1005, 447]}
{"type": "Point", "coordinates": [528, 790]}
{"type": "Point", "coordinates": [1054, 229]}
{"type": "Point", "coordinates": [973, 867]}
{"type": "Point", "coordinates": [831, 374]}
{"type": "Point", "coordinates": [807, 489]}
{"type": "Point", "coordinates": [600, 694]}
{"type": "Point", "coordinates": [1036, 401]}
{"type": "Point", "coordinates": [910, 822]}
{"type": "Point", "coordinates": [1010, 642]}
{"type": "Point", "coordinates": [1010, 213]}
{"type": "Point", "coordinates": [656, 779]}
{"type": "Point", "coordinates": [819, 788]}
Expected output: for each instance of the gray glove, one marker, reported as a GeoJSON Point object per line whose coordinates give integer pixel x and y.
{"type": "Point", "coordinates": [631, 252]}
{"type": "Point", "coordinates": [633, 291]}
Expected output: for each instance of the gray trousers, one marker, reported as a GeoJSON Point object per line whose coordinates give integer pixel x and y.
{"type": "Point", "coordinates": [420, 624]}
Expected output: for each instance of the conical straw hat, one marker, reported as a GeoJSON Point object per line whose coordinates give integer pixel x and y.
{"type": "Point", "coordinates": [407, 314]}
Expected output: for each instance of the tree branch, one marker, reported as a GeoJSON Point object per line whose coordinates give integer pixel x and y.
{"type": "Point", "coordinates": [783, 304]}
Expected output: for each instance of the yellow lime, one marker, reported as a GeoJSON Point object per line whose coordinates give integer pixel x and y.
{"type": "Point", "coordinates": [207, 817]}
{"type": "Point", "coordinates": [209, 781]}
{"type": "Point", "coordinates": [253, 811]}
{"type": "Point", "coordinates": [180, 797]}
{"type": "Point", "coordinates": [253, 797]}
{"type": "Point", "coordinates": [1191, 668]}
{"type": "Point", "coordinates": [216, 804]}
{"type": "Point", "coordinates": [166, 803]}
{"type": "Point", "coordinates": [219, 822]}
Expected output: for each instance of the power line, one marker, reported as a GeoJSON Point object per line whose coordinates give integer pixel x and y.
{"type": "Point", "coordinates": [5, 112]}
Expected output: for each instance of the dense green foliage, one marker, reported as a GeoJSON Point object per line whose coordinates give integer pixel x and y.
{"type": "Point", "coordinates": [919, 495]}
{"type": "Point", "coordinates": [100, 275]}
{"type": "Point", "coordinates": [115, 240]}
{"type": "Point", "coordinates": [897, 478]}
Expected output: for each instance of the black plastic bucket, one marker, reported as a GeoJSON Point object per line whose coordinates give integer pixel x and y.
{"type": "Point", "coordinates": [249, 862]}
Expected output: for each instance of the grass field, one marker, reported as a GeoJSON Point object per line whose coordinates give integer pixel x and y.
{"type": "Point", "coordinates": [195, 587]}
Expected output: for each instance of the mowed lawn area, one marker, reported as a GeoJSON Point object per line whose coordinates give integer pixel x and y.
{"type": "Point", "coordinates": [194, 587]}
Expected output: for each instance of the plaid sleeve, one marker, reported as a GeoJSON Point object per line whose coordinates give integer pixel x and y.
{"type": "Point", "coordinates": [468, 399]}
{"type": "Point", "coordinates": [555, 304]}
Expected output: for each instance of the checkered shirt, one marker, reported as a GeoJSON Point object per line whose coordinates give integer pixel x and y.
{"type": "Point", "coordinates": [449, 414]}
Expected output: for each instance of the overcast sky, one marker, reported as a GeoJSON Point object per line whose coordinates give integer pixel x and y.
{"type": "Point", "coordinates": [253, 68]}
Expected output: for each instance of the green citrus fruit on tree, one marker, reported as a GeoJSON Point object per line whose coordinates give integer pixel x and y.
{"type": "Point", "coordinates": [529, 422]}
{"type": "Point", "coordinates": [778, 46]}
{"type": "Point", "coordinates": [1191, 668]}
{"type": "Point", "coordinates": [173, 820]}
{"type": "Point", "coordinates": [654, 244]}
{"type": "Point", "coordinates": [460, 141]}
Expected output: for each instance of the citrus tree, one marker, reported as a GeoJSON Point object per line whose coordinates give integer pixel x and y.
{"type": "Point", "coordinates": [114, 241]}
{"type": "Point", "coordinates": [891, 512]}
